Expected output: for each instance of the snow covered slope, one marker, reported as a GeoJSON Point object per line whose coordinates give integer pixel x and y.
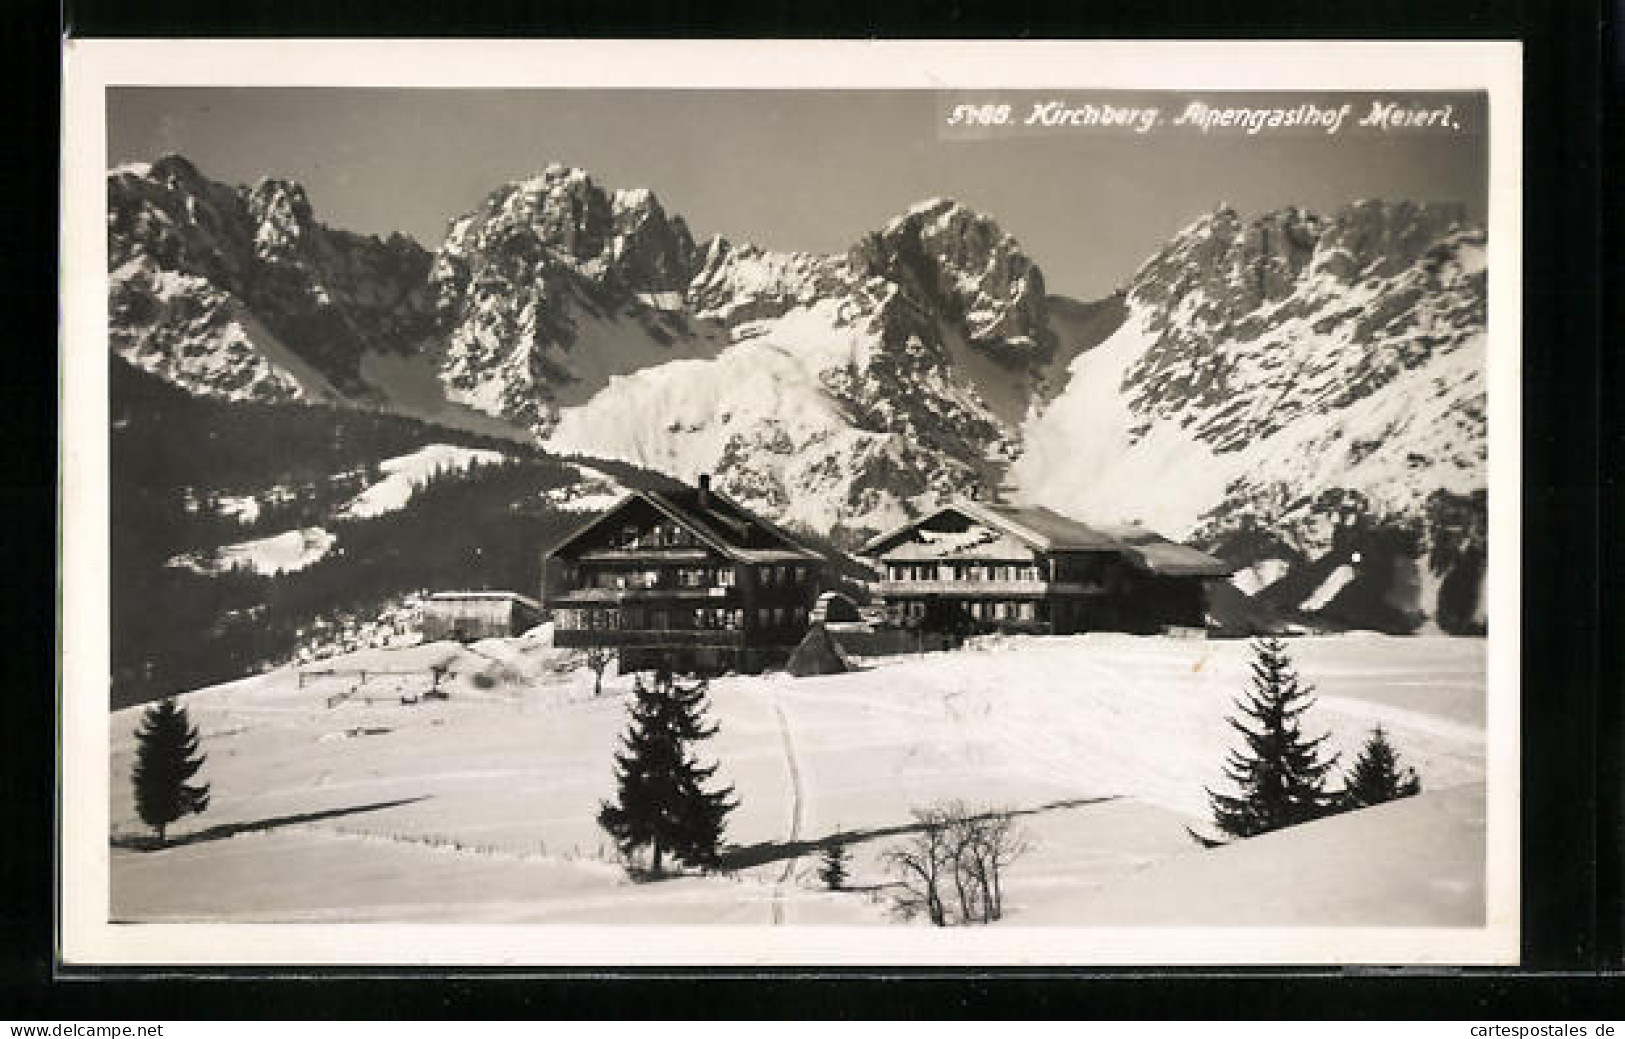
{"type": "Point", "coordinates": [1438, 876]}
{"type": "Point", "coordinates": [333, 800]}
{"type": "Point", "coordinates": [278, 554]}
{"type": "Point", "coordinates": [1321, 380]}
{"type": "Point", "coordinates": [405, 473]}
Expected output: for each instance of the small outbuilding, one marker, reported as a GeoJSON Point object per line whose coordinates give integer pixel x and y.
{"type": "Point", "coordinates": [470, 616]}
{"type": "Point", "coordinates": [818, 654]}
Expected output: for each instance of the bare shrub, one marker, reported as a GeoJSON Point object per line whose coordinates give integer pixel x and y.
{"type": "Point", "coordinates": [990, 842]}
{"type": "Point", "coordinates": [922, 864]}
{"type": "Point", "coordinates": [952, 867]}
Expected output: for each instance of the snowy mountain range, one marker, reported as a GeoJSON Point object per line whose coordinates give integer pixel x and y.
{"type": "Point", "coordinates": [1304, 393]}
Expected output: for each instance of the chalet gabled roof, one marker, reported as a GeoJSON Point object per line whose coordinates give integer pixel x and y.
{"type": "Point", "coordinates": [720, 523]}
{"type": "Point", "coordinates": [1162, 556]}
{"type": "Point", "coordinates": [1044, 530]}
{"type": "Point", "coordinates": [484, 595]}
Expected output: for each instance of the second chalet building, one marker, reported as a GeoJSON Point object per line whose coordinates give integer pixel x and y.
{"type": "Point", "coordinates": [983, 567]}
{"type": "Point", "coordinates": [682, 578]}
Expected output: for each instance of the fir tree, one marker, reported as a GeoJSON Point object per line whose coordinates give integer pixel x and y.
{"type": "Point", "coordinates": [662, 803]}
{"type": "Point", "coordinates": [165, 758]}
{"type": "Point", "coordinates": [1281, 778]}
{"type": "Point", "coordinates": [1376, 776]}
{"type": "Point", "coordinates": [832, 870]}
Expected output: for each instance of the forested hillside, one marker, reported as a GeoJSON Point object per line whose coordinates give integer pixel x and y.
{"type": "Point", "coordinates": [183, 472]}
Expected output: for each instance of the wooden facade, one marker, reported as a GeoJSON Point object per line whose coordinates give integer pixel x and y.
{"type": "Point", "coordinates": [469, 616]}
{"type": "Point", "coordinates": [975, 567]}
{"type": "Point", "coordinates": [685, 579]}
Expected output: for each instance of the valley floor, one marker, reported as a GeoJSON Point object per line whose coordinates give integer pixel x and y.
{"type": "Point", "coordinates": [480, 808]}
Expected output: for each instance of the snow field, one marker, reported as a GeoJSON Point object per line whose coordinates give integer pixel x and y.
{"type": "Point", "coordinates": [403, 474]}
{"type": "Point", "coordinates": [279, 553]}
{"type": "Point", "coordinates": [480, 808]}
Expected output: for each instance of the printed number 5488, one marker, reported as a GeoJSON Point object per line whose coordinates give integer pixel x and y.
{"type": "Point", "coordinates": [979, 115]}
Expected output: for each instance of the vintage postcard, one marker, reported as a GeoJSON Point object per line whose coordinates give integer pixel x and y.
{"type": "Point", "coordinates": [760, 503]}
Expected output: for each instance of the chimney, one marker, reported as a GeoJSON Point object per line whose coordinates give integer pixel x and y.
{"type": "Point", "coordinates": [705, 490]}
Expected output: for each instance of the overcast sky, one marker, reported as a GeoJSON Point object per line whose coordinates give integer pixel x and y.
{"type": "Point", "coordinates": [799, 170]}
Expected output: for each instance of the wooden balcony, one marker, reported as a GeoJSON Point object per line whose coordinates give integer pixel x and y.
{"type": "Point", "coordinates": [597, 596]}
{"type": "Point", "coordinates": [578, 638]}
{"type": "Point", "coordinates": [988, 589]}
{"type": "Point", "coordinates": [655, 556]}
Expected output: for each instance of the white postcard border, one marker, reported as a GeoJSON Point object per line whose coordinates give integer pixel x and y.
{"type": "Point", "coordinates": [90, 67]}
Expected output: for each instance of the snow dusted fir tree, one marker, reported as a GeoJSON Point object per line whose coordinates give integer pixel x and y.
{"type": "Point", "coordinates": [661, 801]}
{"type": "Point", "coordinates": [166, 756]}
{"type": "Point", "coordinates": [1280, 775]}
{"type": "Point", "coordinates": [1376, 776]}
{"type": "Point", "coordinates": [832, 867]}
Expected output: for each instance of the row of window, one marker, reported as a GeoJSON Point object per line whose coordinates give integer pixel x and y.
{"type": "Point", "coordinates": [683, 577]}
{"type": "Point", "coordinates": [962, 572]}
{"type": "Point", "coordinates": [661, 535]}
{"type": "Point", "coordinates": [701, 618]}
{"type": "Point", "coordinates": [690, 577]}
{"type": "Point", "coordinates": [705, 577]}
{"type": "Point", "coordinates": [991, 610]}
{"type": "Point", "coordinates": [771, 576]}
{"type": "Point", "coordinates": [998, 610]}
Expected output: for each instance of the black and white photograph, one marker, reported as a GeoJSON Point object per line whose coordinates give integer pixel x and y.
{"type": "Point", "coordinates": [928, 503]}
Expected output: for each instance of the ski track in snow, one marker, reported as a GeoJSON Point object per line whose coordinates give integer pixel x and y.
{"type": "Point", "coordinates": [786, 874]}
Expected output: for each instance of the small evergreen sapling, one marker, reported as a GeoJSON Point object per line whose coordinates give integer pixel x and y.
{"type": "Point", "coordinates": [166, 756]}
{"type": "Point", "coordinates": [661, 801]}
{"type": "Point", "coordinates": [832, 870]}
{"type": "Point", "coordinates": [1376, 776]}
{"type": "Point", "coordinates": [1280, 775]}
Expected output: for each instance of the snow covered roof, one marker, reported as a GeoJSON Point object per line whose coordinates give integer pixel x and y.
{"type": "Point", "coordinates": [1042, 530]}
{"type": "Point", "coordinates": [978, 542]}
{"type": "Point", "coordinates": [1159, 555]}
{"type": "Point", "coordinates": [715, 519]}
{"type": "Point", "coordinates": [465, 596]}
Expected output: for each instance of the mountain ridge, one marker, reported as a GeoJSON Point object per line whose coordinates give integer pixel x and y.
{"type": "Point", "coordinates": [845, 392]}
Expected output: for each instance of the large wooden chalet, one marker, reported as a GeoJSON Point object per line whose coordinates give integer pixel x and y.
{"type": "Point", "coordinates": [682, 578]}
{"type": "Point", "coordinates": [974, 567]}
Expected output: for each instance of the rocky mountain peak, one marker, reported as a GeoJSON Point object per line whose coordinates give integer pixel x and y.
{"type": "Point", "coordinates": [282, 217]}
{"type": "Point", "coordinates": [1269, 368]}
{"type": "Point", "coordinates": [1228, 267]}
{"type": "Point", "coordinates": [211, 281]}
{"type": "Point", "coordinates": [738, 283]}
{"type": "Point", "coordinates": [1372, 238]}
{"type": "Point", "coordinates": [176, 172]}
{"type": "Point", "coordinates": [561, 219]}
{"type": "Point", "coordinates": [959, 264]}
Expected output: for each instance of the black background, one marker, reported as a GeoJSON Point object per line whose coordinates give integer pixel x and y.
{"type": "Point", "coordinates": [1573, 532]}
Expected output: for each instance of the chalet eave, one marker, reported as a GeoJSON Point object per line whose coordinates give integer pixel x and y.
{"type": "Point", "coordinates": [785, 553]}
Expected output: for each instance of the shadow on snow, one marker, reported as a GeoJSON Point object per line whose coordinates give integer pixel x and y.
{"type": "Point", "coordinates": [749, 855]}
{"type": "Point", "coordinates": [222, 831]}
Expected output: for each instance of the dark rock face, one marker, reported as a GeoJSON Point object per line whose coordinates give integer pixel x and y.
{"type": "Point", "coordinates": [516, 278]}
{"type": "Point", "coordinates": [1233, 303]}
{"type": "Point", "coordinates": [957, 265]}
{"type": "Point", "coordinates": [184, 249]}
